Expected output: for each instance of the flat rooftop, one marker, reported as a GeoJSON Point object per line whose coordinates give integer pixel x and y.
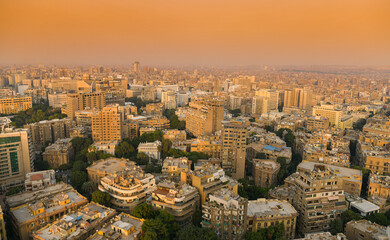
{"type": "Point", "coordinates": [111, 165]}
{"type": "Point", "coordinates": [270, 207]}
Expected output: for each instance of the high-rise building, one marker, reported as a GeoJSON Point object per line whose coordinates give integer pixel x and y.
{"type": "Point", "coordinates": [265, 172]}
{"type": "Point", "coordinates": [259, 105]}
{"type": "Point", "coordinates": [107, 124]}
{"type": "Point", "coordinates": [225, 213]}
{"type": "Point", "coordinates": [136, 67]}
{"type": "Point", "coordinates": [204, 116]}
{"type": "Point", "coordinates": [16, 157]}
{"type": "Point", "coordinates": [319, 198]}
{"type": "Point", "coordinates": [15, 104]}
{"type": "Point", "coordinates": [169, 99]}
{"type": "Point", "coordinates": [329, 111]}
{"type": "Point", "coordinates": [81, 101]}
{"type": "Point", "coordinates": [272, 96]}
{"type": "Point", "coordinates": [233, 138]}
{"type": "Point", "coordinates": [59, 153]}
{"type": "Point", "coordinates": [49, 131]}
{"type": "Point", "coordinates": [301, 98]}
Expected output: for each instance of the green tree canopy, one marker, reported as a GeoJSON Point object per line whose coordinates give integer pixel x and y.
{"type": "Point", "coordinates": [193, 232]}
{"type": "Point", "coordinates": [144, 211]}
{"type": "Point", "coordinates": [102, 198]}
{"type": "Point", "coordinates": [79, 166]}
{"type": "Point", "coordinates": [78, 178]}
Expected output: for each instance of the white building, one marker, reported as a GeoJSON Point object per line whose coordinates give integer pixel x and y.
{"type": "Point", "coordinates": [39, 180]}
{"type": "Point", "coordinates": [151, 149]}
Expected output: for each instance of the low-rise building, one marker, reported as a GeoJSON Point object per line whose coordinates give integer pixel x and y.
{"type": "Point", "coordinates": [207, 179]}
{"type": "Point", "coordinates": [265, 172]}
{"type": "Point", "coordinates": [128, 188]}
{"type": "Point", "coordinates": [323, 236]}
{"type": "Point", "coordinates": [175, 135]}
{"type": "Point", "coordinates": [379, 185]}
{"type": "Point", "coordinates": [366, 230]}
{"type": "Point", "coordinates": [104, 167]}
{"type": "Point", "coordinates": [15, 104]}
{"type": "Point", "coordinates": [59, 153]}
{"type": "Point", "coordinates": [180, 200]}
{"type": "Point", "coordinates": [152, 149]}
{"type": "Point", "coordinates": [79, 224]}
{"type": "Point", "coordinates": [225, 213]}
{"type": "Point", "coordinates": [105, 146]}
{"type": "Point", "coordinates": [39, 180]}
{"type": "Point", "coordinates": [263, 213]}
{"type": "Point", "coordinates": [121, 227]}
{"type": "Point", "coordinates": [364, 207]}
{"type": "Point", "coordinates": [174, 166]}
{"type": "Point", "coordinates": [42, 207]}
{"type": "Point", "coordinates": [270, 151]}
{"type": "Point", "coordinates": [317, 122]}
{"type": "Point", "coordinates": [207, 145]}
{"type": "Point", "coordinates": [283, 192]}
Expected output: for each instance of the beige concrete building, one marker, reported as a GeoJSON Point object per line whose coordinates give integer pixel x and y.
{"type": "Point", "coordinates": [107, 125]}
{"type": "Point", "coordinates": [49, 131]}
{"type": "Point", "coordinates": [233, 139]}
{"type": "Point", "coordinates": [379, 185]}
{"type": "Point", "coordinates": [79, 224]}
{"type": "Point", "coordinates": [225, 213]}
{"type": "Point", "coordinates": [14, 104]}
{"type": "Point", "coordinates": [104, 167]}
{"type": "Point", "coordinates": [17, 158]}
{"type": "Point", "coordinates": [59, 153]}
{"type": "Point", "coordinates": [329, 111]}
{"type": "Point", "coordinates": [317, 122]}
{"type": "Point", "coordinates": [180, 200]}
{"type": "Point", "coordinates": [174, 166]}
{"type": "Point", "coordinates": [128, 187]}
{"type": "Point", "coordinates": [39, 180]}
{"type": "Point", "coordinates": [263, 213]}
{"type": "Point", "coordinates": [365, 230]}
{"type": "Point", "coordinates": [207, 145]}
{"type": "Point", "coordinates": [319, 197]}
{"type": "Point", "coordinates": [81, 101]}
{"type": "Point", "coordinates": [265, 172]}
{"type": "Point", "coordinates": [175, 135]}
{"type": "Point", "coordinates": [121, 227]}
{"type": "Point", "coordinates": [298, 97]}
{"type": "Point", "coordinates": [57, 100]}
{"type": "Point", "coordinates": [204, 116]}
{"type": "Point", "coordinates": [130, 129]}
{"type": "Point", "coordinates": [30, 211]}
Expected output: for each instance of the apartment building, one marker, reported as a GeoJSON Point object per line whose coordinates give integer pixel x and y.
{"type": "Point", "coordinates": [11, 105]}
{"type": "Point", "coordinates": [81, 101]}
{"type": "Point", "coordinates": [107, 124]}
{"type": "Point", "coordinates": [175, 135]}
{"type": "Point", "coordinates": [378, 128]}
{"type": "Point", "coordinates": [365, 230]}
{"type": "Point", "coordinates": [57, 100]}
{"type": "Point", "coordinates": [265, 172]}
{"type": "Point", "coordinates": [204, 116]}
{"type": "Point", "coordinates": [105, 146]}
{"type": "Point", "coordinates": [208, 145]}
{"type": "Point", "coordinates": [181, 200]}
{"type": "Point", "coordinates": [329, 111]}
{"type": "Point", "coordinates": [152, 149]}
{"type": "Point", "coordinates": [16, 157]}
{"type": "Point", "coordinates": [154, 108]}
{"type": "Point", "coordinates": [123, 227]}
{"type": "Point", "coordinates": [207, 179]}
{"type": "Point", "coordinates": [79, 224]}
{"type": "Point", "coordinates": [59, 153]}
{"type": "Point", "coordinates": [298, 97]}
{"type": "Point", "coordinates": [379, 186]}
{"type": "Point", "coordinates": [128, 187]}
{"type": "Point", "coordinates": [130, 129]}
{"type": "Point", "coordinates": [233, 139]}
{"type": "Point", "coordinates": [319, 197]}
{"type": "Point", "coordinates": [225, 213]}
{"type": "Point", "coordinates": [263, 213]}
{"type": "Point", "coordinates": [317, 122]}
{"type": "Point", "coordinates": [49, 131]}
{"type": "Point", "coordinates": [39, 180]}
{"type": "Point", "coordinates": [109, 166]}
{"type": "Point", "coordinates": [174, 166]}
{"type": "Point", "coordinates": [30, 211]}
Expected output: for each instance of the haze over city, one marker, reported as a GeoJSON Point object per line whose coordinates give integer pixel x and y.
{"type": "Point", "coordinates": [196, 32]}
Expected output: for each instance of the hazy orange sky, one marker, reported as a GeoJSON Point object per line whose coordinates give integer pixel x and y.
{"type": "Point", "coordinates": [201, 32]}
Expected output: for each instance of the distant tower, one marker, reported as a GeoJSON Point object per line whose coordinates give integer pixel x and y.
{"type": "Point", "coordinates": [136, 67]}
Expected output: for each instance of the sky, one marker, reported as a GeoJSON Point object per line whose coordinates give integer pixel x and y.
{"type": "Point", "coordinates": [195, 32]}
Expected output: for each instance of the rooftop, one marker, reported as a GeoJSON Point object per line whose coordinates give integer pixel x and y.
{"type": "Point", "coordinates": [111, 165]}
{"type": "Point", "coordinates": [377, 231]}
{"type": "Point", "coordinates": [270, 207]}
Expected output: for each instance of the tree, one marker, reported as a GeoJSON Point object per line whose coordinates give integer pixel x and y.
{"type": "Point", "coordinates": [166, 145]}
{"type": "Point", "coordinates": [124, 149]}
{"type": "Point", "coordinates": [270, 233]}
{"type": "Point", "coordinates": [193, 232]}
{"type": "Point", "coordinates": [102, 198]}
{"type": "Point", "coordinates": [197, 218]}
{"type": "Point", "coordinates": [41, 165]}
{"type": "Point", "coordinates": [154, 229]}
{"type": "Point", "coordinates": [79, 166]}
{"type": "Point", "coordinates": [142, 158]}
{"type": "Point", "coordinates": [144, 211]}
{"type": "Point", "coordinates": [379, 218]}
{"type": "Point", "coordinates": [87, 189]}
{"type": "Point", "coordinates": [78, 178]}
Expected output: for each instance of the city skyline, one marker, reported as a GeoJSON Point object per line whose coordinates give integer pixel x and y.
{"type": "Point", "coordinates": [183, 33]}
